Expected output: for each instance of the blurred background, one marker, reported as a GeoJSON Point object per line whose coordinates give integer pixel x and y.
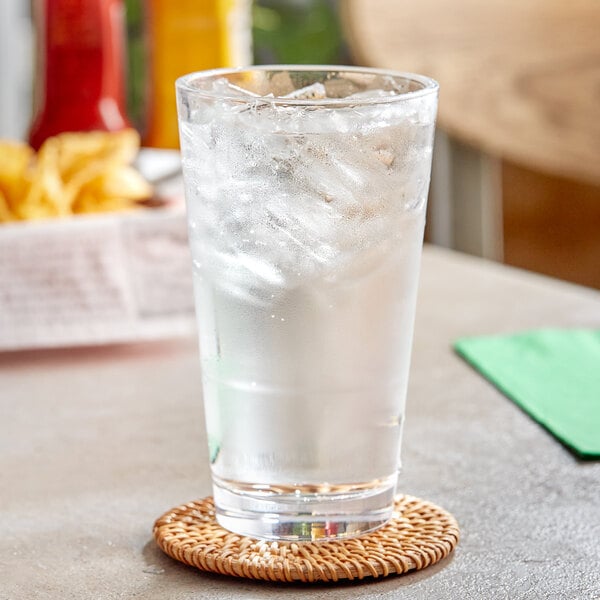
{"type": "Point", "coordinates": [516, 174]}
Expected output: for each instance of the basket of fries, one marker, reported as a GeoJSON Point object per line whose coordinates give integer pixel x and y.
{"type": "Point", "coordinates": [91, 251]}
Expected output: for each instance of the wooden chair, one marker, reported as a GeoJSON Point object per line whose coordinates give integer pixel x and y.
{"type": "Point", "coordinates": [517, 165]}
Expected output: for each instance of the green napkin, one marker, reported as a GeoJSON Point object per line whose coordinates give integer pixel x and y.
{"type": "Point", "coordinates": [554, 375]}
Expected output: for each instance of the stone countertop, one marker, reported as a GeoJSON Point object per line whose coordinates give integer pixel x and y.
{"type": "Point", "coordinates": [96, 443]}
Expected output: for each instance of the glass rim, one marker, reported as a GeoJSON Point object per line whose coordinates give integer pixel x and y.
{"type": "Point", "coordinates": [430, 86]}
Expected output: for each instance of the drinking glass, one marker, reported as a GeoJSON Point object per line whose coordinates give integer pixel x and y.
{"type": "Point", "coordinates": [306, 189]}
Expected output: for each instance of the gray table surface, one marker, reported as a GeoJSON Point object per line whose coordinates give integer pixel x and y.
{"type": "Point", "coordinates": [96, 443]}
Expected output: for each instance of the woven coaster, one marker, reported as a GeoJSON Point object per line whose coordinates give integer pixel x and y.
{"type": "Point", "coordinates": [418, 535]}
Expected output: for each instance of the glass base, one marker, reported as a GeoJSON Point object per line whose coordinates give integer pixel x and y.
{"type": "Point", "coordinates": [303, 512]}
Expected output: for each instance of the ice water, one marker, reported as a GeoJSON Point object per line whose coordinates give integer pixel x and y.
{"type": "Point", "coordinates": [305, 225]}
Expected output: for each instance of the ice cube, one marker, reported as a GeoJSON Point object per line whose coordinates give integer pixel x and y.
{"type": "Point", "coordinates": [281, 83]}
{"type": "Point", "coordinates": [385, 155]}
{"type": "Point", "coordinates": [262, 269]}
{"type": "Point", "coordinates": [224, 87]}
{"type": "Point", "coordinates": [315, 91]}
{"type": "Point", "coordinates": [371, 95]}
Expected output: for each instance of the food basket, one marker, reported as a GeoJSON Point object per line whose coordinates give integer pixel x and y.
{"type": "Point", "coordinates": [96, 279]}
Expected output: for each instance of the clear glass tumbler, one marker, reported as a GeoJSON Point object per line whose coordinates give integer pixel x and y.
{"type": "Point", "coordinates": [306, 190]}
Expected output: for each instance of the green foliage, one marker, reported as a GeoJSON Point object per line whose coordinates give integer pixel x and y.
{"type": "Point", "coordinates": [295, 31]}
{"type": "Point", "coordinates": [136, 61]}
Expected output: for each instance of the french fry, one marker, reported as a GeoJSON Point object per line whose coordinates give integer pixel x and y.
{"type": "Point", "coordinates": [45, 196]}
{"type": "Point", "coordinates": [72, 173]}
{"type": "Point", "coordinates": [6, 214]}
{"type": "Point", "coordinates": [115, 189]}
{"type": "Point", "coordinates": [15, 158]}
{"type": "Point", "coordinates": [78, 150]}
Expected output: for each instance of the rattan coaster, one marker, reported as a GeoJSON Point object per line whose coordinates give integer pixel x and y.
{"type": "Point", "coordinates": [418, 535]}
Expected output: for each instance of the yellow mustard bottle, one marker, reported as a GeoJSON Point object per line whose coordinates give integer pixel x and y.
{"type": "Point", "coordinates": [186, 36]}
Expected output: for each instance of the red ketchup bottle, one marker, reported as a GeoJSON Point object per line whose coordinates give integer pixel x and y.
{"type": "Point", "coordinates": [80, 67]}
